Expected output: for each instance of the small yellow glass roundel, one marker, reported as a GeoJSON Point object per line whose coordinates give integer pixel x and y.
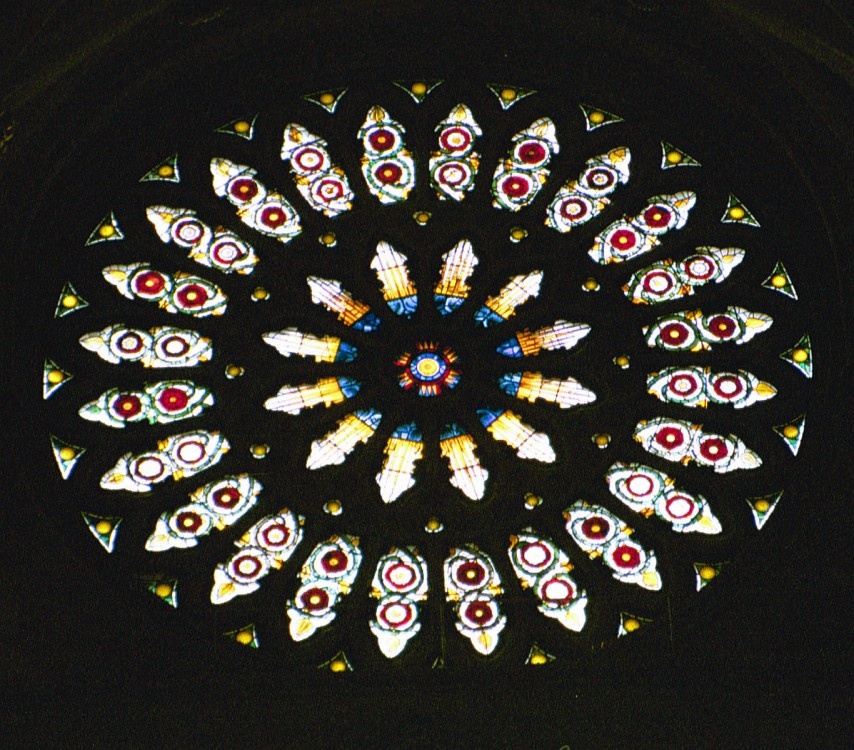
{"type": "Point", "coordinates": [107, 230]}
{"type": "Point", "coordinates": [778, 281]}
{"type": "Point", "coordinates": [761, 505]}
{"type": "Point", "coordinates": [631, 624]}
{"type": "Point", "coordinates": [55, 376]}
{"type": "Point", "coordinates": [326, 98]}
{"type": "Point", "coordinates": [419, 89]}
{"type": "Point", "coordinates": [736, 212]}
{"type": "Point", "coordinates": [66, 454]}
{"type": "Point", "coordinates": [103, 527]}
{"type": "Point", "coordinates": [338, 665]}
{"type": "Point", "coordinates": [673, 157]}
{"type": "Point", "coordinates": [800, 355]}
{"type": "Point", "coordinates": [163, 590]}
{"type": "Point", "coordinates": [433, 524]}
{"type": "Point", "coordinates": [538, 659]}
{"type": "Point", "coordinates": [597, 117]}
{"type": "Point", "coordinates": [241, 126]}
{"type": "Point", "coordinates": [244, 637]}
{"type": "Point", "coordinates": [165, 171]}
{"type": "Point", "coordinates": [508, 95]}
{"type": "Point", "coordinates": [790, 431]}
{"type": "Point", "coordinates": [69, 301]}
{"type": "Point", "coordinates": [707, 572]}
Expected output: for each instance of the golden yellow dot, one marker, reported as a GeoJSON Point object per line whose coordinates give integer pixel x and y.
{"type": "Point", "coordinates": [106, 230]}
{"type": "Point", "coordinates": [591, 285]}
{"type": "Point", "coordinates": [508, 95]}
{"type": "Point", "coordinates": [630, 625]}
{"type": "Point", "coordinates": [333, 506]}
{"type": "Point", "coordinates": [517, 233]}
{"type": "Point", "coordinates": [338, 665]}
{"type": "Point", "coordinates": [707, 572]}
{"type": "Point", "coordinates": [419, 89]}
{"type": "Point", "coordinates": [675, 333]}
{"type": "Point", "coordinates": [69, 301]}
{"type": "Point", "coordinates": [532, 501]}
{"type": "Point", "coordinates": [163, 590]}
{"type": "Point", "coordinates": [241, 126]}
{"type": "Point", "coordinates": [596, 117]}
{"type": "Point", "coordinates": [625, 557]}
{"type": "Point", "coordinates": [244, 637]}
{"type": "Point", "coordinates": [66, 454]}
{"type": "Point", "coordinates": [55, 376]}
{"type": "Point", "coordinates": [595, 528]}
{"type": "Point", "coordinates": [800, 355]}
{"type": "Point", "coordinates": [259, 451]}
{"type": "Point", "coordinates": [471, 574]}
{"type": "Point", "coordinates": [326, 98]}
{"type": "Point", "coordinates": [656, 216]}
{"type": "Point", "coordinates": [433, 524]}
{"type": "Point", "coordinates": [673, 157]}
{"type": "Point", "coordinates": [601, 440]}
{"type": "Point", "coordinates": [761, 505]}
{"type": "Point", "coordinates": [165, 171]}
{"type": "Point", "coordinates": [736, 212]}
{"type": "Point", "coordinates": [622, 239]}
{"type": "Point", "coordinates": [422, 217]}
{"type": "Point", "coordinates": [328, 239]}
{"type": "Point", "coordinates": [778, 281]}
{"type": "Point", "coordinates": [259, 293]}
{"type": "Point", "coordinates": [621, 361]}
{"type": "Point", "coordinates": [538, 659]}
{"type": "Point", "coordinates": [103, 527]}
{"type": "Point", "coordinates": [314, 599]}
{"type": "Point", "coordinates": [790, 431]}
{"type": "Point", "coordinates": [234, 371]}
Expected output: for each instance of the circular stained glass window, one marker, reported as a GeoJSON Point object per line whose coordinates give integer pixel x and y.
{"type": "Point", "coordinates": [438, 372]}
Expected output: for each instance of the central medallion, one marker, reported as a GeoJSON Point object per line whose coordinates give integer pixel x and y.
{"type": "Point", "coordinates": [429, 371]}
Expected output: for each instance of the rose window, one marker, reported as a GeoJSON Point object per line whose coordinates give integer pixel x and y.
{"type": "Point", "coordinates": [404, 376]}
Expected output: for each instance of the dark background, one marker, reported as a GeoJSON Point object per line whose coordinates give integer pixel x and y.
{"type": "Point", "coordinates": [89, 661]}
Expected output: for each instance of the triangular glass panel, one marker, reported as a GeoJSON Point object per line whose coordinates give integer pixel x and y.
{"type": "Point", "coordinates": [706, 573]}
{"type": "Point", "coordinates": [792, 432]}
{"type": "Point", "coordinates": [107, 231]}
{"type": "Point", "coordinates": [800, 355]}
{"type": "Point", "coordinates": [242, 127]}
{"type": "Point", "coordinates": [338, 663]}
{"type": "Point", "coordinates": [53, 378]}
{"type": "Point", "coordinates": [66, 455]}
{"type": "Point", "coordinates": [69, 301]}
{"type": "Point", "coordinates": [780, 281]}
{"type": "Point", "coordinates": [509, 95]}
{"type": "Point", "coordinates": [762, 507]}
{"type": "Point", "coordinates": [594, 117]}
{"type": "Point", "coordinates": [737, 213]}
{"type": "Point", "coordinates": [163, 588]}
{"type": "Point", "coordinates": [103, 528]}
{"type": "Point", "coordinates": [327, 99]}
{"type": "Point", "coordinates": [166, 171]}
{"type": "Point", "coordinates": [630, 623]}
{"type": "Point", "coordinates": [675, 157]}
{"type": "Point", "coordinates": [538, 657]}
{"type": "Point", "coordinates": [245, 636]}
{"type": "Point", "coordinates": [418, 90]}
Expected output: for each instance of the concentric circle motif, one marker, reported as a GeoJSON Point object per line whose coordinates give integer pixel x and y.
{"type": "Point", "coordinates": [482, 293]}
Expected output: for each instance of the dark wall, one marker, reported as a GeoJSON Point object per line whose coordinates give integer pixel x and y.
{"type": "Point", "coordinates": [87, 663]}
